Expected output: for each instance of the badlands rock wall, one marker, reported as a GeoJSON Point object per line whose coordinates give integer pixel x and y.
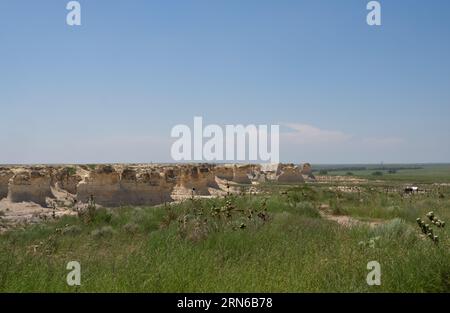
{"type": "Point", "coordinates": [307, 169]}
{"type": "Point", "coordinates": [308, 172]}
{"type": "Point", "coordinates": [269, 171]}
{"type": "Point", "coordinates": [143, 188]}
{"type": "Point", "coordinates": [129, 186]}
{"type": "Point", "coordinates": [5, 175]}
{"type": "Point", "coordinates": [197, 179]}
{"type": "Point", "coordinates": [67, 179]}
{"type": "Point", "coordinates": [241, 174]}
{"type": "Point", "coordinates": [32, 185]}
{"type": "Point", "coordinates": [290, 174]}
{"type": "Point", "coordinates": [102, 183]}
{"type": "Point", "coordinates": [224, 172]}
{"type": "Point", "coordinates": [139, 184]}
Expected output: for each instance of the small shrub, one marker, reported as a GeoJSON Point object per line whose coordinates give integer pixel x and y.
{"type": "Point", "coordinates": [168, 218]}
{"type": "Point", "coordinates": [306, 208]}
{"type": "Point", "coordinates": [336, 207]}
{"type": "Point", "coordinates": [102, 216]}
{"type": "Point", "coordinates": [192, 228]}
{"type": "Point", "coordinates": [103, 232]}
{"type": "Point", "coordinates": [131, 228]}
{"type": "Point", "coordinates": [303, 193]}
{"type": "Point", "coordinates": [393, 210]}
{"type": "Point", "coordinates": [71, 170]}
{"type": "Point", "coordinates": [396, 228]}
{"type": "Point", "coordinates": [71, 230]}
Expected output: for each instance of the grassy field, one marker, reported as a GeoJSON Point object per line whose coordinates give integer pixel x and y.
{"type": "Point", "coordinates": [423, 173]}
{"type": "Point", "coordinates": [276, 241]}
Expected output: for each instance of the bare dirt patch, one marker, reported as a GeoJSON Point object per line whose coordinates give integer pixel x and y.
{"type": "Point", "coordinates": [345, 220]}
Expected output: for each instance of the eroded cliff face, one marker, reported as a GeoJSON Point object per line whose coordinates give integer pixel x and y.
{"type": "Point", "coordinates": [307, 169]}
{"type": "Point", "coordinates": [32, 185]}
{"type": "Point", "coordinates": [101, 183]}
{"type": "Point", "coordinates": [290, 174]}
{"type": "Point", "coordinates": [146, 187]}
{"type": "Point", "coordinates": [68, 178]}
{"type": "Point", "coordinates": [224, 172]}
{"type": "Point", "coordinates": [31, 194]}
{"type": "Point", "coordinates": [194, 180]}
{"type": "Point", "coordinates": [140, 184]}
{"type": "Point", "coordinates": [241, 174]}
{"type": "Point", "coordinates": [308, 172]}
{"type": "Point", "coordinates": [5, 175]}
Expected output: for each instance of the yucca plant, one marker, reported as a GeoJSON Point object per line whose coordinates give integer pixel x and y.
{"type": "Point", "coordinates": [427, 229]}
{"type": "Point", "coordinates": [434, 220]}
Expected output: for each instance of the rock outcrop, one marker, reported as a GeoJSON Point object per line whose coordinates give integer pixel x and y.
{"type": "Point", "coordinates": [224, 172]}
{"type": "Point", "coordinates": [103, 184]}
{"type": "Point", "coordinates": [270, 171]}
{"type": "Point", "coordinates": [308, 172]}
{"type": "Point", "coordinates": [307, 169]}
{"type": "Point", "coordinates": [5, 175]}
{"type": "Point", "coordinates": [241, 174]}
{"type": "Point", "coordinates": [143, 188]}
{"type": "Point", "coordinates": [30, 194]}
{"type": "Point", "coordinates": [111, 187]}
{"type": "Point", "coordinates": [290, 174]}
{"type": "Point", "coordinates": [138, 184]}
{"type": "Point", "coordinates": [195, 180]}
{"type": "Point", "coordinates": [30, 185]}
{"type": "Point", "coordinates": [67, 179]}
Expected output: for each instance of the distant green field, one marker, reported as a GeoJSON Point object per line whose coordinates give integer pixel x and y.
{"type": "Point", "coordinates": [428, 173]}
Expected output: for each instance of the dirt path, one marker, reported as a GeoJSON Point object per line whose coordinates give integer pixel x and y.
{"type": "Point", "coordinates": [345, 220]}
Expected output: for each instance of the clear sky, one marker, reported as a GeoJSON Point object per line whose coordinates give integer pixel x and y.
{"type": "Point", "coordinates": [111, 89]}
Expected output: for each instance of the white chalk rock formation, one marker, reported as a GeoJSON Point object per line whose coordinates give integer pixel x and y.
{"type": "Point", "coordinates": [147, 187]}
{"type": "Point", "coordinates": [197, 180]}
{"type": "Point", "coordinates": [224, 172]}
{"type": "Point", "coordinates": [290, 174]}
{"type": "Point", "coordinates": [30, 185]}
{"type": "Point", "coordinates": [103, 184]}
{"type": "Point", "coordinates": [307, 169]}
{"type": "Point", "coordinates": [308, 172]}
{"type": "Point", "coordinates": [270, 171]}
{"type": "Point", "coordinates": [241, 174]}
{"type": "Point", "coordinates": [67, 179]}
{"type": "Point", "coordinates": [5, 175]}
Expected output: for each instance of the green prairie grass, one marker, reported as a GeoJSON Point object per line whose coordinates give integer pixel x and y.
{"type": "Point", "coordinates": [194, 247]}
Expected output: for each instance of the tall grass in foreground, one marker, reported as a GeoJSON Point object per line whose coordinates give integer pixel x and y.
{"type": "Point", "coordinates": [149, 249]}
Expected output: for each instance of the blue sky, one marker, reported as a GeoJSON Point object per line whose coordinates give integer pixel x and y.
{"type": "Point", "coordinates": [111, 89]}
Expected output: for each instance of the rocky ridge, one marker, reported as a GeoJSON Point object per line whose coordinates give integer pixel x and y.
{"type": "Point", "coordinates": [46, 189]}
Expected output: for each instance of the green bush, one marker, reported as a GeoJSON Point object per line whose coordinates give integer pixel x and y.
{"type": "Point", "coordinates": [103, 232]}
{"type": "Point", "coordinates": [306, 208]}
